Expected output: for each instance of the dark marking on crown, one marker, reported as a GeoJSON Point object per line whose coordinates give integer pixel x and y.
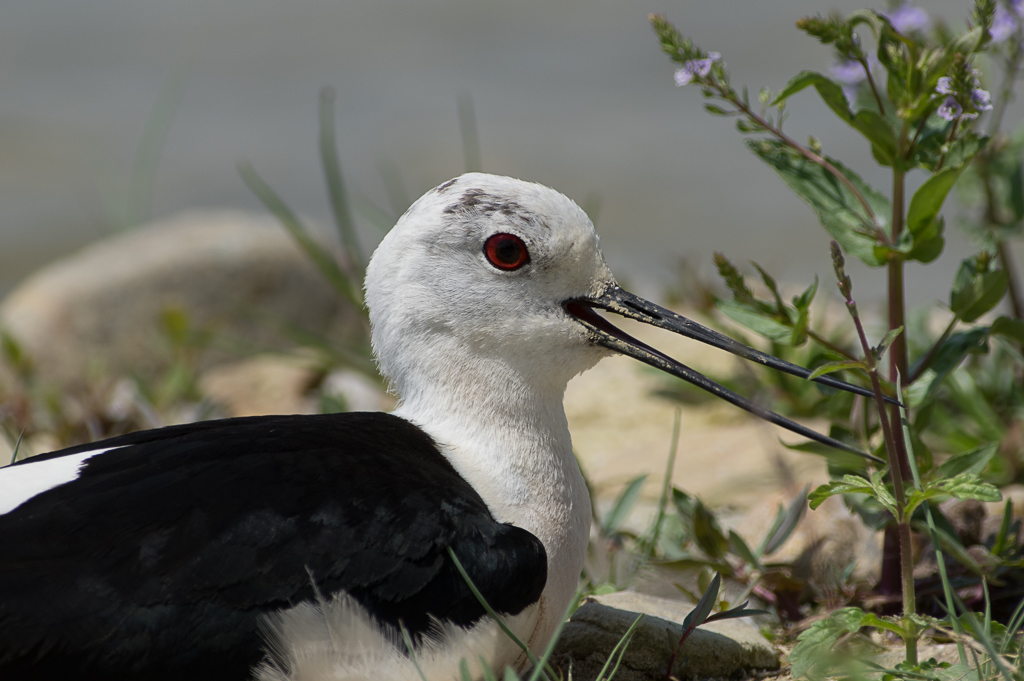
{"type": "Point", "coordinates": [444, 187]}
{"type": "Point", "coordinates": [477, 202]}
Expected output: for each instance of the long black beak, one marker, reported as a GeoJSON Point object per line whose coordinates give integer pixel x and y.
{"type": "Point", "coordinates": [623, 303]}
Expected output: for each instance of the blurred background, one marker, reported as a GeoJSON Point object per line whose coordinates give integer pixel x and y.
{"type": "Point", "coordinates": [574, 94]}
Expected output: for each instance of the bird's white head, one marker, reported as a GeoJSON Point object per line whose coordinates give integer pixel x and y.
{"type": "Point", "coordinates": [472, 281]}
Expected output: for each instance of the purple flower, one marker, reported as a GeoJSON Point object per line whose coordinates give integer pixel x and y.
{"type": "Point", "coordinates": [1017, 7]}
{"type": "Point", "coordinates": [981, 100]}
{"type": "Point", "coordinates": [907, 18]}
{"type": "Point", "coordinates": [944, 86]}
{"type": "Point", "coordinates": [695, 68]}
{"type": "Point", "coordinates": [950, 109]}
{"type": "Point", "coordinates": [1004, 23]}
{"type": "Point", "coordinates": [848, 72]}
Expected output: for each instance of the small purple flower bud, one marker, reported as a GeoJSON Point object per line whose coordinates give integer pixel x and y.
{"type": "Point", "coordinates": [1003, 24]}
{"type": "Point", "coordinates": [944, 86]}
{"type": "Point", "coordinates": [684, 76]}
{"type": "Point", "coordinates": [981, 100]}
{"type": "Point", "coordinates": [907, 18]}
{"type": "Point", "coordinates": [696, 68]}
{"type": "Point", "coordinates": [950, 109]}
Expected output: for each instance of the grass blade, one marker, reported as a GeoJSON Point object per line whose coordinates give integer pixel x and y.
{"type": "Point", "coordinates": [411, 650]}
{"type": "Point", "coordinates": [342, 282]}
{"type": "Point", "coordinates": [335, 187]}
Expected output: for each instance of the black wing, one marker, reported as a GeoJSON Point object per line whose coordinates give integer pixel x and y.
{"type": "Point", "coordinates": [160, 558]}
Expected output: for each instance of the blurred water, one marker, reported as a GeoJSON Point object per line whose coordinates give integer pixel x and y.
{"type": "Point", "coordinates": [575, 94]}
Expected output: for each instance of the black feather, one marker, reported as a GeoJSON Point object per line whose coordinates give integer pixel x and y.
{"type": "Point", "coordinates": [159, 559]}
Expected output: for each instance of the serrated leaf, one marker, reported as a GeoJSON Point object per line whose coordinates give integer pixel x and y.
{"type": "Point", "coordinates": [811, 655]}
{"type": "Point", "coordinates": [754, 319]}
{"type": "Point", "coordinates": [1009, 328]}
{"type": "Point", "coordinates": [837, 208]}
{"type": "Point", "coordinates": [623, 505]}
{"type": "Point", "coordinates": [850, 484]}
{"type": "Point", "coordinates": [882, 494]}
{"type": "Point", "coordinates": [969, 486]}
{"type": "Point", "coordinates": [973, 461]}
{"type": "Point", "coordinates": [873, 620]}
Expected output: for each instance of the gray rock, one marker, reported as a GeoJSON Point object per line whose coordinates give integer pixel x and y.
{"type": "Point", "coordinates": [720, 649]}
{"type": "Point", "coordinates": [236, 274]}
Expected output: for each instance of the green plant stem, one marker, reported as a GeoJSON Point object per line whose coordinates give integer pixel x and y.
{"type": "Point", "coordinates": [903, 522]}
{"type": "Point", "coordinates": [871, 81]}
{"type": "Point", "coordinates": [947, 588]}
{"type": "Point", "coordinates": [898, 356]}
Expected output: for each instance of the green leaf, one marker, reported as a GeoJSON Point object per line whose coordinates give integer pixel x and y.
{"type": "Point", "coordinates": [707, 533]}
{"type": "Point", "coordinates": [623, 505]}
{"type": "Point", "coordinates": [733, 613]}
{"type": "Point", "coordinates": [811, 655]}
{"type": "Point", "coordinates": [838, 209]}
{"type": "Point", "coordinates": [740, 548]}
{"type": "Point", "coordinates": [947, 358]}
{"type": "Point", "coordinates": [1001, 544]}
{"type": "Point", "coordinates": [699, 614]}
{"type": "Point", "coordinates": [974, 293]}
{"type": "Point", "coordinates": [882, 493]}
{"type": "Point", "coordinates": [969, 486]}
{"type": "Point", "coordinates": [850, 484]}
{"type": "Point", "coordinates": [1009, 328]}
{"type": "Point", "coordinates": [754, 319]}
{"type": "Point", "coordinates": [829, 367]}
{"type": "Point", "coordinates": [867, 122]}
{"type": "Point", "coordinates": [928, 199]}
{"type": "Point", "coordinates": [804, 300]}
{"type": "Point", "coordinates": [886, 341]}
{"type": "Point", "coordinates": [973, 461]}
{"type": "Point", "coordinates": [887, 623]}
{"type": "Point", "coordinates": [782, 531]}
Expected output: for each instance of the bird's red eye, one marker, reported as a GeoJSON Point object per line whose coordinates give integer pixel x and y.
{"type": "Point", "coordinates": [506, 252]}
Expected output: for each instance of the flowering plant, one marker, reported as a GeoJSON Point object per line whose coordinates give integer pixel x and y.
{"type": "Point", "coordinates": [914, 90]}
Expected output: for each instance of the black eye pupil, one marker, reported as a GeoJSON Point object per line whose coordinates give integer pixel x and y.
{"type": "Point", "coordinates": [506, 251]}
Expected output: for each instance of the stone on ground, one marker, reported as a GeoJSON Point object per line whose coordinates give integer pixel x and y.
{"type": "Point", "coordinates": [720, 649]}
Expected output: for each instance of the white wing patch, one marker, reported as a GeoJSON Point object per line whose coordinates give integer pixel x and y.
{"type": "Point", "coordinates": [20, 483]}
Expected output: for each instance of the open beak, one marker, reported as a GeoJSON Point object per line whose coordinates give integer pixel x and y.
{"type": "Point", "coordinates": [615, 299]}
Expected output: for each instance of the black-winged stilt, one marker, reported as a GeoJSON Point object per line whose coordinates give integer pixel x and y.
{"type": "Point", "coordinates": [190, 552]}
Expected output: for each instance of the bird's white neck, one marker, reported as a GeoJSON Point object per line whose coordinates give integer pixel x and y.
{"type": "Point", "coordinates": [513, 446]}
